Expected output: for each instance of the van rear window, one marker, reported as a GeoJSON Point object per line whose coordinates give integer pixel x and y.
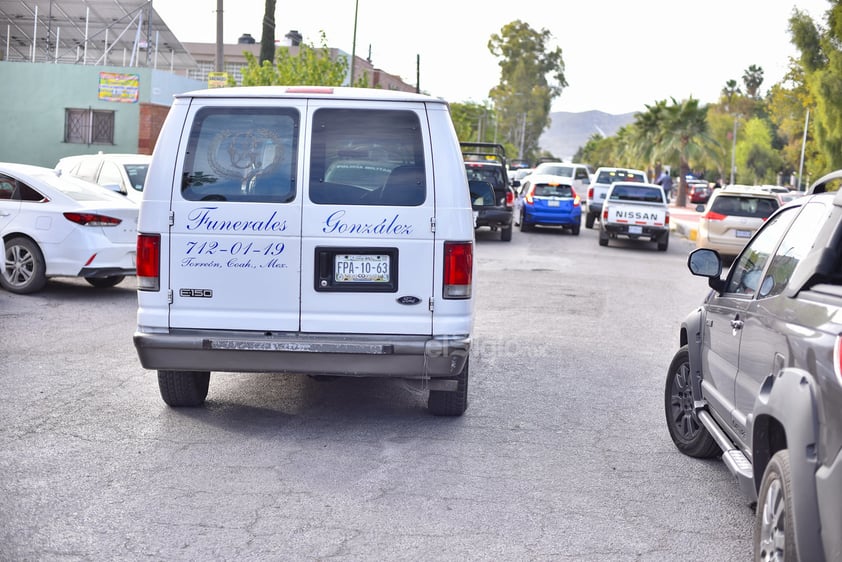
{"type": "Point", "coordinates": [367, 157]}
{"type": "Point", "coordinates": [242, 154]}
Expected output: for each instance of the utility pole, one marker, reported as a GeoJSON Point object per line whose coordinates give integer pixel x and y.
{"type": "Point", "coordinates": [354, 41]}
{"type": "Point", "coordinates": [734, 152]}
{"type": "Point", "coordinates": [220, 64]}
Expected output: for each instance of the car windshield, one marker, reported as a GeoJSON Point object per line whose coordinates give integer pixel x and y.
{"type": "Point", "coordinates": [551, 190]}
{"type": "Point", "coordinates": [555, 170]}
{"type": "Point", "coordinates": [744, 206]}
{"type": "Point", "coordinates": [636, 193]}
{"type": "Point", "coordinates": [619, 175]}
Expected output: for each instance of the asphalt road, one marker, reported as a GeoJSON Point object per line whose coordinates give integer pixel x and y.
{"type": "Point", "coordinates": [563, 453]}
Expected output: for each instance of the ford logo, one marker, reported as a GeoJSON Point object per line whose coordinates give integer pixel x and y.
{"type": "Point", "coordinates": [408, 300]}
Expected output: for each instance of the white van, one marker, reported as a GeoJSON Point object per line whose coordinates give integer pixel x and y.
{"type": "Point", "coordinates": [312, 230]}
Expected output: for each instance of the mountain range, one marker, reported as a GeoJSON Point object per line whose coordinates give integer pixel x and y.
{"type": "Point", "coordinates": [570, 131]}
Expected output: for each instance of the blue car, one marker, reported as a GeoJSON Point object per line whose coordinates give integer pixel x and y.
{"type": "Point", "coordinates": [549, 201]}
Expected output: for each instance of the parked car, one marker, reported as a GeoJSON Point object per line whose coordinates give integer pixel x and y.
{"type": "Point", "coordinates": [549, 201]}
{"type": "Point", "coordinates": [485, 161]}
{"type": "Point", "coordinates": [732, 215]}
{"type": "Point", "coordinates": [55, 226]}
{"type": "Point", "coordinates": [123, 173]}
{"type": "Point", "coordinates": [698, 191]}
{"type": "Point", "coordinates": [757, 378]}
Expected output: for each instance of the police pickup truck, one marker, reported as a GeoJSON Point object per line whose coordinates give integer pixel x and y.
{"type": "Point", "coordinates": [635, 211]}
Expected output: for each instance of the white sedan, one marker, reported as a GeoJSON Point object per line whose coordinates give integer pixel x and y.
{"type": "Point", "coordinates": [55, 226]}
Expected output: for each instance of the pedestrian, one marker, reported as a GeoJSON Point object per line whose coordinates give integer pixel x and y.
{"type": "Point", "coordinates": [665, 181]}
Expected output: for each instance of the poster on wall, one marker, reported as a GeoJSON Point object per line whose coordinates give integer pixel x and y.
{"type": "Point", "coordinates": [119, 87]}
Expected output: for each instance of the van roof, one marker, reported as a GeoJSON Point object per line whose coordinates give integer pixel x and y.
{"type": "Point", "coordinates": [325, 92]}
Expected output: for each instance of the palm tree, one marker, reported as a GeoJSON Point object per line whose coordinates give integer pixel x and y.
{"type": "Point", "coordinates": [684, 134]}
{"type": "Point", "coordinates": [753, 78]}
{"type": "Point", "coordinates": [644, 135]}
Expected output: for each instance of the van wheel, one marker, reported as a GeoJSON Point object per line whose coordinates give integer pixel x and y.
{"type": "Point", "coordinates": [450, 403]}
{"type": "Point", "coordinates": [774, 529]}
{"type": "Point", "coordinates": [24, 270]}
{"type": "Point", "coordinates": [105, 282]}
{"type": "Point", "coordinates": [506, 234]}
{"type": "Point", "coordinates": [183, 388]}
{"type": "Point", "coordinates": [589, 220]}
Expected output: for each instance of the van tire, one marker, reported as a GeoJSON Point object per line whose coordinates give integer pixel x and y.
{"type": "Point", "coordinates": [183, 388]}
{"type": "Point", "coordinates": [450, 403]}
{"type": "Point", "coordinates": [506, 234]}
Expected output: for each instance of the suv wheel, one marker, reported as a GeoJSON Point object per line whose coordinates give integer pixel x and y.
{"type": "Point", "coordinates": [687, 432]}
{"type": "Point", "coordinates": [774, 531]}
{"type": "Point", "coordinates": [506, 233]}
{"type": "Point", "coordinates": [451, 403]}
{"type": "Point", "coordinates": [183, 388]}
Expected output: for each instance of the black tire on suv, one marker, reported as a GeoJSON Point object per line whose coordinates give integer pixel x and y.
{"type": "Point", "coordinates": [687, 432]}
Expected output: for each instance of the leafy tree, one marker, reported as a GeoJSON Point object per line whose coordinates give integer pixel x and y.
{"type": "Point", "coordinates": [757, 161]}
{"type": "Point", "coordinates": [267, 40]}
{"type": "Point", "coordinates": [729, 92]}
{"type": "Point", "coordinates": [753, 78]}
{"type": "Point", "coordinates": [821, 61]}
{"type": "Point", "coordinates": [531, 76]}
{"type": "Point", "coordinates": [311, 66]}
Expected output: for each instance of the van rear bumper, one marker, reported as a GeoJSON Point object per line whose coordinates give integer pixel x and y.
{"type": "Point", "coordinates": [375, 355]}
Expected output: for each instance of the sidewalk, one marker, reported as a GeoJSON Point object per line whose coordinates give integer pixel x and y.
{"type": "Point", "coordinates": [684, 220]}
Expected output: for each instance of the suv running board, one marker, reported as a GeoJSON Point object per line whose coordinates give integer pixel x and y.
{"type": "Point", "coordinates": [734, 459]}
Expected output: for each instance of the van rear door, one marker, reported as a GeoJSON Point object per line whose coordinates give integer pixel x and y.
{"type": "Point", "coordinates": [236, 217]}
{"type": "Point", "coordinates": [368, 219]}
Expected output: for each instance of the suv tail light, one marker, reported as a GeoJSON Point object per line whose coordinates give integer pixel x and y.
{"type": "Point", "coordinates": [510, 198]}
{"type": "Point", "coordinates": [149, 262]}
{"type": "Point", "coordinates": [458, 269]}
{"type": "Point", "coordinates": [711, 216]}
{"type": "Point", "coordinates": [837, 359]}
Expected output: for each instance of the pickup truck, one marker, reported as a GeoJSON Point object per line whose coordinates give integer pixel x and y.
{"type": "Point", "coordinates": [635, 211]}
{"type": "Point", "coordinates": [757, 378]}
{"type": "Point", "coordinates": [603, 178]}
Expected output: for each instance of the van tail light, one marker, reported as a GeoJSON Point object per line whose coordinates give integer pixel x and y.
{"type": "Point", "coordinates": [510, 199]}
{"type": "Point", "coordinates": [837, 359]}
{"type": "Point", "coordinates": [711, 216]}
{"type": "Point", "coordinates": [458, 269]}
{"type": "Point", "coordinates": [149, 262]}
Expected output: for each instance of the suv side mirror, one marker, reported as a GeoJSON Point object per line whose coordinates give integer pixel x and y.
{"type": "Point", "coordinates": [707, 263]}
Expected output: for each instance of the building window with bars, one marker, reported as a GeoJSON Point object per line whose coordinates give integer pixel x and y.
{"type": "Point", "coordinates": [88, 126]}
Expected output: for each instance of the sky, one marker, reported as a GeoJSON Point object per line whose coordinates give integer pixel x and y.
{"type": "Point", "coordinates": [619, 55]}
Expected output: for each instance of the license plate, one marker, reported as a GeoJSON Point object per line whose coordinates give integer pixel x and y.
{"type": "Point", "coordinates": [553, 203]}
{"type": "Point", "coordinates": [361, 268]}
{"type": "Point", "coordinates": [743, 233]}
{"type": "Point", "coordinates": [633, 229]}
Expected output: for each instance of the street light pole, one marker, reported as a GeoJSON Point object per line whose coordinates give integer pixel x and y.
{"type": "Point", "coordinates": [734, 152]}
{"type": "Point", "coordinates": [354, 41]}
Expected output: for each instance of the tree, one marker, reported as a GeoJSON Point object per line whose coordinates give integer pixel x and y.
{"type": "Point", "coordinates": [311, 66]}
{"type": "Point", "coordinates": [267, 40]}
{"type": "Point", "coordinates": [684, 136]}
{"type": "Point", "coordinates": [531, 76]}
{"type": "Point", "coordinates": [757, 161]}
{"type": "Point", "coordinates": [753, 78]}
{"type": "Point", "coordinates": [821, 60]}
{"type": "Point", "coordinates": [729, 92]}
